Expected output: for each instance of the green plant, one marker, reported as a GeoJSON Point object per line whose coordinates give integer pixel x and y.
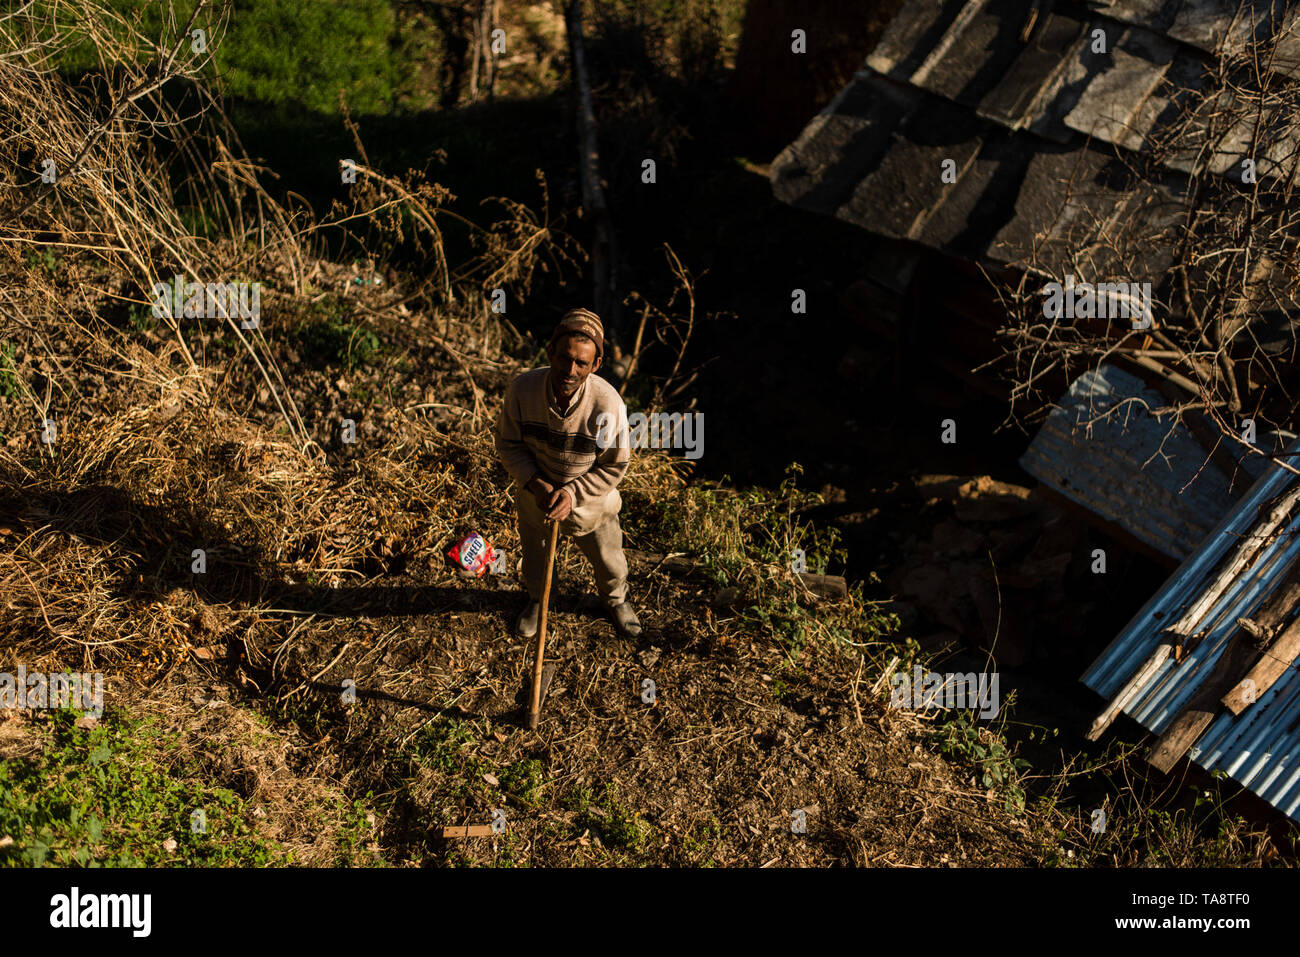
{"type": "Point", "coordinates": [507, 848]}
{"type": "Point", "coordinates": [523, 780]}
{"type": "Point", "coordinates": [141, 317]}
{"type": "Point", "coordinates": [783, 618]}
{"type": "Point", "coordinates": [733, 530]}
{"type": "Point", "coordinates": [108, 796]}
{"type": "Point", "coordinates": [331, 338]}
{"type": "Point", "coordinates": [618, 826]}
{"type": "Point", "coordinates": [46, 260]}
{"type": "Point", "coordinates": [699, 845]}
{"type": "Point", "coordinates": [987, 751]}
{"type": "Point", "coordinates": [354, 834]}
{"type": "Point", "coordinates": [444, 749]}
{"type": "Point", "coordinates": [749, 540]}
{"type": "Point", "coordinates": [9, 383]}
{"type": "Point", "coordinates": [439, 743]}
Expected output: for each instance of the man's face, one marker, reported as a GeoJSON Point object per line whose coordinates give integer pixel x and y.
{"type": "Point", "coordinates": [573, 358]}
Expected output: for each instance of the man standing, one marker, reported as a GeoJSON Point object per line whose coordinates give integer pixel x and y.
{"type": "Point", "coordinates": [547, 440]}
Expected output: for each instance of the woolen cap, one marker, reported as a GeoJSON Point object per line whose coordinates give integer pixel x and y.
{"type": "Point", "coordinates": [584, 321]}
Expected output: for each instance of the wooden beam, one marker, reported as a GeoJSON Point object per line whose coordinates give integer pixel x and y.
{"type": "Point", "coordinates": [1164, 373]}
{"type": "Point", "coordinates": [1130, 690]}
{"type": "Point", "coordinates": [1263, 534]}
{"type": "Point", "coordinates": [1204, 706]}
{"type": "Point", "coordinates": [1185, 629]}
{"type": "Point", "coordinates": [1271, 666]}
{"type": "Point", "coordinates": [1279, 604]}
{"type": "Point", "coordinates": [1242, 649]}
{"type": "Point", "coordinates": [467, 830]}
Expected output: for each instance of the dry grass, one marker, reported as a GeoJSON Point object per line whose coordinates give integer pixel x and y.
{"type": "Point", "coordinates": [154, 455]}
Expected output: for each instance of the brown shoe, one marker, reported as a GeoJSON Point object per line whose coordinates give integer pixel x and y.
{"type": "Point", "coordinates": [625, 620]}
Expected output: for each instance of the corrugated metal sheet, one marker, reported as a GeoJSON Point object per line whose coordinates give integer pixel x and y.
{"type": "Point", "coordinates": [1107, 447]}
{"type": "Point", "coordinates": [1260, 748]}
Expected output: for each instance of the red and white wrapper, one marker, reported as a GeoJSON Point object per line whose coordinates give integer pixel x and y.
{"type": "Point", "coordinates": [472, 554]}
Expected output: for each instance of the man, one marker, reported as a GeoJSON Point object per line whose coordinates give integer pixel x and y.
{"type": "Point", "coordinates": [547, 440]}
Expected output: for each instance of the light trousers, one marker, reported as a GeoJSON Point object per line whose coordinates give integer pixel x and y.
{"type": "Point", "coordinates": [603, 547]}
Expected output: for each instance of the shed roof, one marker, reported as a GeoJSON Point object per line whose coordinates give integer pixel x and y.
{"type": "Point", "coordinates": [1112, 445]}
{"type": "Point", "coordinates": [1260, 747]}
{"type": "Point", "coordinates": [969, 118]}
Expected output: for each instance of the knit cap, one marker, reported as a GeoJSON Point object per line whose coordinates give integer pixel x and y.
{"type": "Point", "coordinates": [584, 321]}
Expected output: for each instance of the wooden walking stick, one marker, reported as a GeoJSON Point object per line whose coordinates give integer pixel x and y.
{"type": "Point", "coordinates": [535, 706]}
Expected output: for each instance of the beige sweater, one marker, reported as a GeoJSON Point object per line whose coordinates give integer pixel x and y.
{"type": "Point", "coordinates": [532, 439]}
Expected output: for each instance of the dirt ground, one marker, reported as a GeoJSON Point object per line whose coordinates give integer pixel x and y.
{"type": "Point", "coordinates": [359, 696]}
{"type": "Point", "coordinates": [711, 769]}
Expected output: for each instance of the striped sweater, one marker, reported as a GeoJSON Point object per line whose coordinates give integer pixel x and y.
{"type": "Point", "coordinates": [532, 439]}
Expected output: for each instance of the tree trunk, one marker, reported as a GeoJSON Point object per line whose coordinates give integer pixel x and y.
{"type": "Point", "coordinates": [476, 53]}
{"type": "Point", "coordinates": [490, 58]}
{"type": "Point", "coordinates": [604, 250]}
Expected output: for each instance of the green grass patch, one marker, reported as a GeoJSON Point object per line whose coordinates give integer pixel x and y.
{"type": "Point", "coordinates": [46, 260]}
{"type": "Point", "coordinates": [618, 826]}
{"type": "Point", "coordinates": [700, 845]}
{"type": "Point", "coordinates": [282, 51]}
{"type": "Point", "coordinates": [9, 382]}
{"type": "Point", "coordinates": [756, 540]}
{"type": "Point", "coordinates": [523, 780]}
{"type": "Point", "coordinates": [115, 795]}
{"type": "Point", "coordinates": [439, 744]}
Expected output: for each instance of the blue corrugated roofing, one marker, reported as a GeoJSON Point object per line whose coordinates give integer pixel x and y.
{"type": "Point", "coordinates": [1110, 423]}
{"type": "Point", "coordinates": [1260, 748]}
